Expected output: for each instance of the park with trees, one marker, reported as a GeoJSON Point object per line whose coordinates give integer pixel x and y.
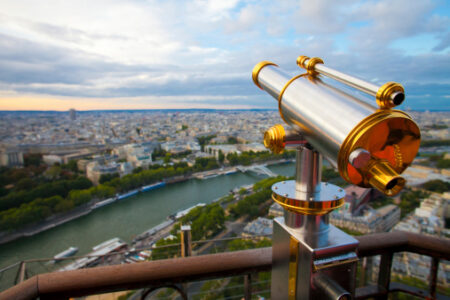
{"type": "Point", "coordinates": [32, 194]}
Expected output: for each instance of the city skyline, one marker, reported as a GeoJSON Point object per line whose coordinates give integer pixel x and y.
{"type": "Point", "coordinates": [199, 54]}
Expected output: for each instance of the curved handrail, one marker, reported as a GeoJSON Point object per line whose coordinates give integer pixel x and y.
{"type": "Point", "coordinates": [76, 283]}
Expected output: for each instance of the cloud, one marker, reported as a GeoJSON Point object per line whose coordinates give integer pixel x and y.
{"type": "Point", "coordinates": [114, 49]}
{"type": "Point", "coordinates": [247, 19]}
{"type": "Point", "coordinates": [444, 43]}
{"type": "Point", "coordinates": [324, 16]}
{"type": "Point", "coordinates": [389, 20]}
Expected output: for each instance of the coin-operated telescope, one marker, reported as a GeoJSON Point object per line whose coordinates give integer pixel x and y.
{"type": "Point", "coordinates": [370, 146]}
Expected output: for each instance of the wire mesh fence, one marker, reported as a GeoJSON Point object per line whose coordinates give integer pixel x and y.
{"type": "Point", "coordinates": [224, 288]}
{"type": "Point", "coordinates": [13, 274]}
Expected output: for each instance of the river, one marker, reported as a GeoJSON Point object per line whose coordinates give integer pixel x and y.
{"type": "Point", "coordinates": [127, 218]}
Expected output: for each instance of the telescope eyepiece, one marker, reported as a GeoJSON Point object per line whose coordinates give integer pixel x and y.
{"type": "Point", "coordinates": [384, 178]}
{"type": "Point", "coordinates": [390, 95]}
{"type": "Point", "coordinates": [391, 184]}
{"type": "Point", "coordinates": [397, 98]}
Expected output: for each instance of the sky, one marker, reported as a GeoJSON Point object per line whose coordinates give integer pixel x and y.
{"type": "Point", "coordinates": [154, 54]}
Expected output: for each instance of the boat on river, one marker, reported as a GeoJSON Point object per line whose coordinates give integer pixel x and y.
{"type": "Point", "coordinates": [153, 186]}
{"type": "Point", "coordinates": [126, 195]}
{"type": "Point", "coordinates": [182, 213]}
{"type": "Point", "coordinates": [96, 255]}
{"type": "Point", "coordinates": [66, 253]}
{"type": "Point", "coordinates": [104, 202]}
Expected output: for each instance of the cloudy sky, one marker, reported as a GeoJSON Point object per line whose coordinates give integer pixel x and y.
{"type": "Point", "coordinates": [132, 54]}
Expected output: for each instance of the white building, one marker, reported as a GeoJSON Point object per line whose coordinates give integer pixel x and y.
{"type": "Point", "coordinates": [51, 159]}
{"type": "Point", "coordinates": [259, 227]}
{"type": "Point", "coordinates": [180, 146]}
{"type": "Point", "coordinates": [255, 147]}
{"type": "Point", "coordinates": [11, 158]}
{"type": "Point", "coordinates": [225, 149]}
{"type": "Point", "coordinates": [370, 221]}
{"type": "Point", "coordinates": [276, 210]}
{"type": "Point", "coordinates": [427, 219]}
{"type": "Point", "coordinates": [417, 174]}
{"type": "Point", "coordinates": [94, 170]}
{"type": "Point", "coordinates": [136, 154]}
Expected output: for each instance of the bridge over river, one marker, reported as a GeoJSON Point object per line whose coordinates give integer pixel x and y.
{"type": "Point", "coordinates": [258, 169]}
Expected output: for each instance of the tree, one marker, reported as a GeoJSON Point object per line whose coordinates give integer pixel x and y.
{"type": "Point", "coordinates": [80, 183]}
{"type": "Point", "coordinates": [233, 158]}
{"type": "Point", "coordinates": [138, 170]}
{"type": "Point", "coordinates": [3, 191]}
{"type": "Point", "coordinates": [443, 163]}
{"type": "Point", "coordinates": [108, 177]}
{"type": "Point", "coordinates": [205, 163]}
{"type": "Point", "coordinates": [80, 196]}
{"type": "Point", "coordinates": [410, 200]}
{"type": "Point", "coordinates": [14, 175]}
{"type": "Point", "coordinates": [25, 184]}
{"type": "Point", "coordinates": [159, 153]}
{"type": "Point", "coordinates": [54, 172]}
{"type": "Point", "coordinates": [163, 249]}
{"type": "Point", "coordinates": [232, 140]}
{"type": "Point", "coordinates": [241, 244]}
{"type": "Point", "coordinates": [437, 186]}
{"type": "Point", "coordinates": [329, 173]}
{"type": "Point", "coordinates": [64, 206]}
{"type": "Point", "coordinates": [72, 165]}
{"type": "Point", "coordinates": [221, 156]}
{"type": "Point", "coordinates": [204, 140]}
{"type": "Point", "coordinates": [102, 191]}
{"type": "Point", "coordinates": [205, 221]}
{"type": "Point", "coordinates": [32, 159]}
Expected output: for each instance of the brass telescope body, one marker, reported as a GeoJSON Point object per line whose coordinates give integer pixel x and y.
{"type": "Point", "coordinates": [338, 124]}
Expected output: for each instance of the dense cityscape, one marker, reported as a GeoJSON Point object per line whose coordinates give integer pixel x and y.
{"type": "Point", "coordinates": [232, 150]}
{"type": "Point", "coordinates": [103, 157]}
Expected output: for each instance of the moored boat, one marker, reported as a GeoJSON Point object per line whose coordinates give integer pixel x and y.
{"type": "Point", "coordinates": [66, 253]}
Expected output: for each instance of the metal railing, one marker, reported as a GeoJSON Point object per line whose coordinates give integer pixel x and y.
{"type": "Point", "coordinates": [22, 270]}
{"type": "Point", "coordinates": [175, 272]}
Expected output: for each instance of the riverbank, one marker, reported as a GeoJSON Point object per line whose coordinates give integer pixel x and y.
{"type": "Point", "coordinates": [49, 223]}
{"type": "Point", "coordinates": [123, 219]}
{"type": "Point", "coordinates": [57, 220]}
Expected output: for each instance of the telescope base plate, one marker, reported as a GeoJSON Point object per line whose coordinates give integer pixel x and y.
{"type": "Point", "coordinates": [325, 198]}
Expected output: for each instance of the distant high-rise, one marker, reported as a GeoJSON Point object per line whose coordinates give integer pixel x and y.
{"type": "Point", "coordinates": [73, 114]}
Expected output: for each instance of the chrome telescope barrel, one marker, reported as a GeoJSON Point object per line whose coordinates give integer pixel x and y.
{"type": "Point", "coordinates": [336, 124]}
{"type": "Point", "coordinates": [388, 95]}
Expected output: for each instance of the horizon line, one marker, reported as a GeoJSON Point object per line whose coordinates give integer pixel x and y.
{"type": "Point", "coordinates": [138, 109]}
{"type": "Point", "coordinates": [179, 109]}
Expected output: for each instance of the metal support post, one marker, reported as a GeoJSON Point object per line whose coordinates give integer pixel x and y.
{"type": "Point", "coordinates": [384, 274]}
{"type": "Point", "coordinates": [363, 272]}
{"type": "Point", "coordinates": [186, 241]}
{"type": "Point", "coordinates": [248, 287]}
{"type": "Point", "coordinates": [433, 276]}
{"type": "Point", "coordinates": [186, 250]}
{"type": "Point", "coordinates": [22, 273]}
{"type": "Point", "coordinates": [305, 245]}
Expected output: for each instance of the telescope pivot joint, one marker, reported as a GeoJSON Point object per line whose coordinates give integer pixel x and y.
{"type": "Point", "coordinates": [277, 138]}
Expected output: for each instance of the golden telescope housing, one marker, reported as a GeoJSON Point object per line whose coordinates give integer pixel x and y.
{"type": "Point", "coordinates": [369, 145]}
